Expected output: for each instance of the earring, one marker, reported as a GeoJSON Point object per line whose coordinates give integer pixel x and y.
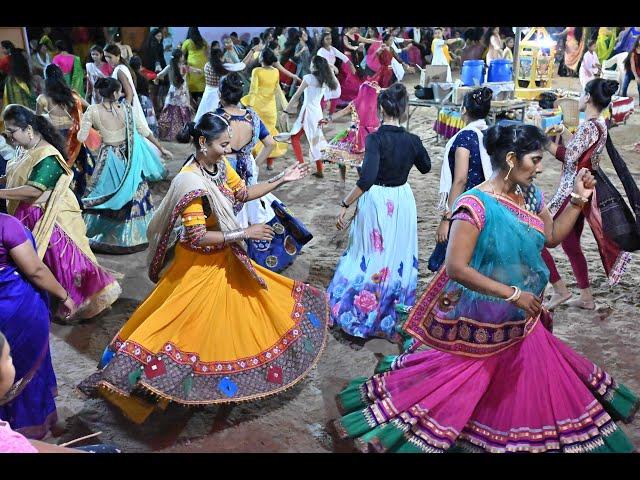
{"type": "Point", "coordinates": [203, 149]}
{"type": "Point", "coordinates": [509, 172]}
{"type": "Point", "coordinates": [31, 135]}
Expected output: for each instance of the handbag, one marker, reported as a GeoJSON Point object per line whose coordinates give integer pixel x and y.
{"type": "Point", "coordinates": [289, 238]}
{"type": "Point", "coordinates": [618, 221]}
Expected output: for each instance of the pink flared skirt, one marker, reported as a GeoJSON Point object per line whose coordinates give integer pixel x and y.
{"type": "Point", "coordinates": [91, 287]}
{"type": "Point", "coordinates": [536, 396]}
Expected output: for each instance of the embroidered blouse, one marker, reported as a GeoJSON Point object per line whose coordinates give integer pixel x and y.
{"type": "Point", "coordinates": [197, 217]}
{"type": "Point", "coordinates": [211, 78]}
{"type": "Point", "coordinates": [45, 174]}
{"type": "Point", "coordinates": [91, 118]}
{"type": "Point", "coordinates": [471, 210]}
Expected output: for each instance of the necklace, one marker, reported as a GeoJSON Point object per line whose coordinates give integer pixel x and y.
{"type": "Point", "coordinates": [110, 109]}
{"type": "Point", "coordinates": [215, 176]}
{"type": "Point", "coordinates": [34, 147]}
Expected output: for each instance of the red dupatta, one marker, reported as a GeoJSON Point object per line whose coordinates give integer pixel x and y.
{"type": "Point", "coordinates": [614, 259]}
{"type": "Point", "coordinates": [73, 144]}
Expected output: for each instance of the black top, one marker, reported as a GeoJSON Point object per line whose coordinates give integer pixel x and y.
{"type": "Point", "coordinates": [142, 84]}
{"type": "Point", "coordinates": [389, 155]}
{"type": "Point", "coordinates": [152, 54]}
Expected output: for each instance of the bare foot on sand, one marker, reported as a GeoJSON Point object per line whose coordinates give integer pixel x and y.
{"type": "Point", "coordinates": [580, 303]}
{"type": "Point", "coordinates": [557, 299]}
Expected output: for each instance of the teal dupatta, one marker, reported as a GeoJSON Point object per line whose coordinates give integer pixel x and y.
{"type": "Point", "coordinates": [451, 317]}
{"type": "Point", "coordinates": [120, 180]}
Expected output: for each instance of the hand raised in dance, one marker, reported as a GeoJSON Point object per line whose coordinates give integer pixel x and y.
{"type": "Point", "coordinates": [584, 184]}
{"type": "Point", "coordinates": [296, 172]}
{"type": "Point", "coordinates": [530, 303]}
{"type": "Point", "coordinates": [260, 231]}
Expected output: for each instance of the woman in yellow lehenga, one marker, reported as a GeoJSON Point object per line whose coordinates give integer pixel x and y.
{"type": "Point", "coordinates": [263, 96]}
{"type": "Point", "coordinates": [217, 328]}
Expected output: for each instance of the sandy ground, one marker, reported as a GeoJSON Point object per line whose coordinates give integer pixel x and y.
{"type": "Point", "coordinates": [296, 421]}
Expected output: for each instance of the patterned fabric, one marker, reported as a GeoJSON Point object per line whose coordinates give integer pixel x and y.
{"type": "Point", "coordinates": [199, 353]}
{"type": "Point", "coordinates": [586, 136]}
{"type": "Point", "coordinates": [176, 113]}
{"type": "Point", "coordinates": [211, 78]}
{"type": "Point", "coordinates": [493, 380]}
{"type": "Point", "coordinates": [291, 234]}
{"type": "Point", "coordinates": [45, 174]}
{"type": "Point", "coordinates": [453, 318]}
{"type": "Point", "coordinates": [119, 204]}
{"type": "Point", "coordinates": [373, 276]}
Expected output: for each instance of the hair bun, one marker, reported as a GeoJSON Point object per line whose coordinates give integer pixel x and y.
{"type": "Point", "coordinates": [193, 130]}
{"type": "Point", "coordinates": [101, 83]}
{"type": "Point", "coordinates": [610, 87]}
{"type": "Point", "coordinates": [491, 137]}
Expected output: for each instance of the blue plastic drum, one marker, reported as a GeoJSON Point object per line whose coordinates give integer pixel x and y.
{"type": "Point", "coordinates": [500, 71]}
{"type": "Point", "coordinates": [472, 73]}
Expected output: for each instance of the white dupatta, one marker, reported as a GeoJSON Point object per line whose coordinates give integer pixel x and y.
{"type": "Point", "coordinates": [446, 177]}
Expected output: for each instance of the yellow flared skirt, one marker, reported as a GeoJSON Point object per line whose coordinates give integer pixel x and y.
{"type": "Point", "coordinates": [208, 333]}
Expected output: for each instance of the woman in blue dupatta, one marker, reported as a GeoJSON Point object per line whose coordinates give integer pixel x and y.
{"type": "Point", "coordinates": [495, 378]}
{"type": "Point", "coordinates": [118, 203]}
{"type": "Point", "coordinates": [29, 406]}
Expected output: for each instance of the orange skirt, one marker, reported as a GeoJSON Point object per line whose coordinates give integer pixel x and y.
{"type": "Point", "coordinates": [209, 334]}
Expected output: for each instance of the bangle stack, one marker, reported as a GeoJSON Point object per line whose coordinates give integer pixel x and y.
{"type": "Point", "coordinates": [234, 236]}
{"type": "Point", "coordinates": [66, 298]}
{"type": "Point", "coordinates": [516, 295]}
{"type": "Point", "coordinates": [577, 200]}
{"type": "Point", "coordinates": [276, 178]}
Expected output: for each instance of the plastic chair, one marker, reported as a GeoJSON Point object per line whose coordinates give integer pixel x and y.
{"type": "Point", "coordinates": [613, 69]}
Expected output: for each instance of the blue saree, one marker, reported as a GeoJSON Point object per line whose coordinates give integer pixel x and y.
{"type": "Point", "coordinates": [29, 406]}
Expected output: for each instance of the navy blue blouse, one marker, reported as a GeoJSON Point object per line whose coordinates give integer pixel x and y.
{"type": "Point", "coordinates": [469, 140]}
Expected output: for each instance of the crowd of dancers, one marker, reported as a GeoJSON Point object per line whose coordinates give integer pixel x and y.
{"type": "Point", "coordinates": [222, 325]}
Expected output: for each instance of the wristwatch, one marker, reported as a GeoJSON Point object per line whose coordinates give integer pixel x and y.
{"type": "Point", "coordinates": [343, 204]}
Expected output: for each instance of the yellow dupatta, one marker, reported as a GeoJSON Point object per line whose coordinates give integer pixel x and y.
{"type": "Point", "coordinates": [60, 205]}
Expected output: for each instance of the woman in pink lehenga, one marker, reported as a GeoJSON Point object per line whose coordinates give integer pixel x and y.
{"type": "Point", "coordinates": [380, 57]}
{"type": "Point", "coordinates": [350, 81]}
{"type": "Point", "coordinates": [347, 147]}
{"type": "Point", "coordinates": [38, 194]}
{"type": "Point", "coordinates": [495, 379]}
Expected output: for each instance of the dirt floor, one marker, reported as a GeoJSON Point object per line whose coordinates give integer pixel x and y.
{"type": "Point", "coordinates": [296, 421]}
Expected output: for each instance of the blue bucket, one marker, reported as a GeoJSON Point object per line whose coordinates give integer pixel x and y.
{"type": "Point", "coordinates": [472, 73]}
{"type": "Point", "coordinates": [500, 71]}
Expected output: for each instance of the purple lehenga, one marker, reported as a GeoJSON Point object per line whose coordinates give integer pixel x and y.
{"type": "Point", "coordinates": [29, 406]}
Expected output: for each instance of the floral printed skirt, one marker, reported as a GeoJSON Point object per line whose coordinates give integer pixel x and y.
{"type": "Point", "coordinates": [379, 269]}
